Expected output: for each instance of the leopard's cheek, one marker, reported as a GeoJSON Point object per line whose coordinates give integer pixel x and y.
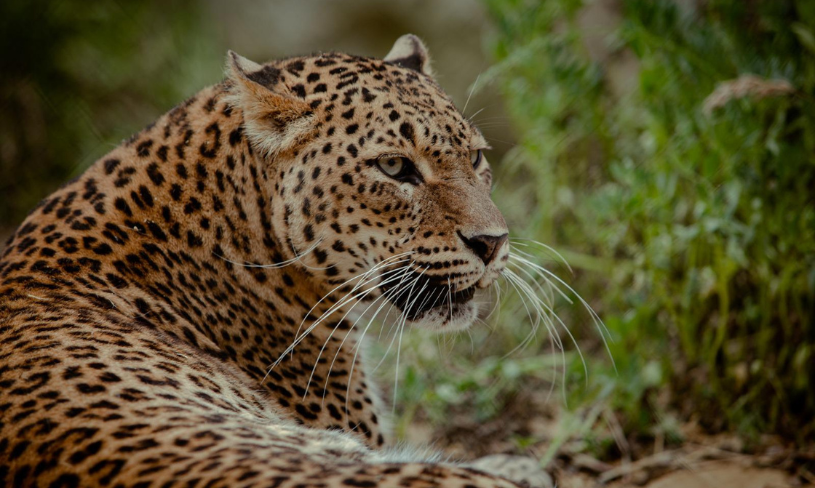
{"type": "Point", "coordinates": [376, 221]}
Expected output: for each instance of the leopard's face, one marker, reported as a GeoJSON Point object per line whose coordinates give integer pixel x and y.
{"type": "Point", "coordinates": [384, 191]}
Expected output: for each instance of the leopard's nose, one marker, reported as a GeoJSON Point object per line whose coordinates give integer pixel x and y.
{"type": "Point", "coordinates": [485, 246]}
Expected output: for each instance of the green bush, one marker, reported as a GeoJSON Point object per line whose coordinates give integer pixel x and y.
{"type": "Point", "coordinates": [676, 171]}
{"type": "Point", "coordinates": [78, 77]}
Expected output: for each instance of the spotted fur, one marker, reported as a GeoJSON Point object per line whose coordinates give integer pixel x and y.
{"type": "Point", "coordinates": [143, 303]}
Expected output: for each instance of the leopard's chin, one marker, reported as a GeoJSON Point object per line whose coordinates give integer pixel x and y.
{"type": "Point", "coordinates": [451, 317]}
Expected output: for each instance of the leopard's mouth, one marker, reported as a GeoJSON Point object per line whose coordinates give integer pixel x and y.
{"type": "Point", "coordinates": [415, 297]}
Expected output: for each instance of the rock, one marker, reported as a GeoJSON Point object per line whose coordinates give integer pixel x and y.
{"type": "Point", "coordinates": [520, 469]}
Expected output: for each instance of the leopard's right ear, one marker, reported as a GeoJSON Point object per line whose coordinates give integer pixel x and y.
{"type": "Point", "coordinates": [410, 52]}
{"type": "Point", "coordinates": [275, 119]}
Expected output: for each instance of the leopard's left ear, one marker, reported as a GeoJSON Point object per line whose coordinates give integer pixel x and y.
{"type": "Point", "coordinates": [275, 118]}
{"type": "Point", "coordinates": [410, 52]}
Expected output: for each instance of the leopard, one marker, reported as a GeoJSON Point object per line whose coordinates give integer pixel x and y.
{"type": "Point", "coordinates": [183, 313]}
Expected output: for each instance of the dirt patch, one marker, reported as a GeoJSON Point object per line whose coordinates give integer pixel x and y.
{"type": "Point", "coordinates": [532, 425]}
{"type": "Point", "coordinates": [723, 474]}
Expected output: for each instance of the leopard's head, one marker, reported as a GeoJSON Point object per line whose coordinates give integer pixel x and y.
{"type": "Point", "coordinates": [380, 185]}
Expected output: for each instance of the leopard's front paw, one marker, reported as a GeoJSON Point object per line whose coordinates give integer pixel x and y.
{"type": "Point", "coordinates": [520, 469]}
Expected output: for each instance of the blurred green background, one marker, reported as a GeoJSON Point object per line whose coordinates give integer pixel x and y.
{"type": "Point", "coordinates": [664, 148]}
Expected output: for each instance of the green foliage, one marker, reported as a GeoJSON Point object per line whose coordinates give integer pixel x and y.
{"type": "Point", "coordinates": [437, 380]}
{"type": "Point", "coordinates": [691, 226]}
{"type": "Point", "coordinates": [78, 77]}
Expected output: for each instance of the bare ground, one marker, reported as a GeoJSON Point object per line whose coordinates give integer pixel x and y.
{"type": "Point", "coordinates": [700, 459]}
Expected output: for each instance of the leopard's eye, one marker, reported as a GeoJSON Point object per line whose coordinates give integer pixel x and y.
{"type": "Point", "coordinates": [476, 157]}
{"type": "Point", "coordinates": [399, 168]}
{"type": "Point", "coordinates": [391, 165]}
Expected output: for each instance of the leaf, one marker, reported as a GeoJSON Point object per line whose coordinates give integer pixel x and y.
{"type": "Point", "coordinates": [804, 35]}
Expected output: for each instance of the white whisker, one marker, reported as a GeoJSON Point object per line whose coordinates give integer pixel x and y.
{"type": "Point", "coordinates": [339, 304]}
{"type": "Point", "coordinates": [357, 347]}
{"type": "Point", "coordinates": [281, 264]}
{"type": "Point", "coordinates": [402, 316]}
{"type": "Point", "coordinates": [598, 322]}
{"type": "Point", "coordinates": [405, 269]}
{"type": "Point", "coordinates": [478, 112]}
{"type": "Point", "coordinates": [450, 298]}
{"type": "Point", "coordinates": [358, 298]}
{"type": "Point", "coordinates": [550, 324]}
{"type": "Point", "coordinates": [472, 90]}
